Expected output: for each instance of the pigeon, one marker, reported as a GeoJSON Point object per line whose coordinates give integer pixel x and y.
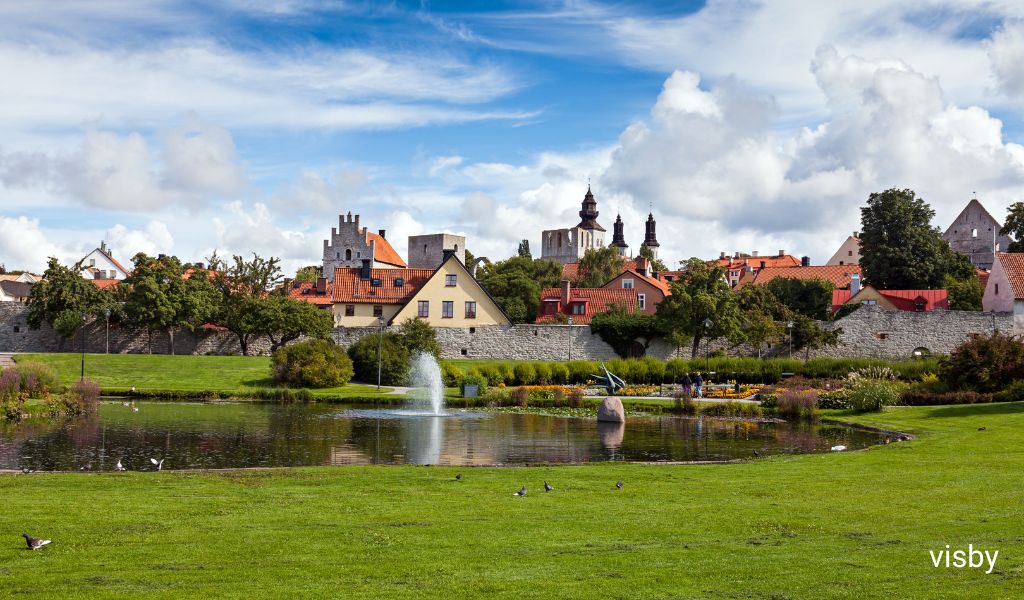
{"type": "Point", "coordinates": [159, 463]}
{"type": "Point", "coordinates": [981, 429]}
{"type": "Point", "coordinates": [521, 492]}
{"type": "Point", "coordinates": [619, 484]}
{"type": "Point", "coordinates": [85, 468]}
{"type": "Point", "coordinates": [27, 470]}
{"type": "Point", "coordinates": [34, 543]}
{"type": "Point", "coordinates": [119, 466]}
{"type": "Point", "coordinates": [838, 448]}
{"type": "Point", "coordinates": [757, 453]}
{"type": "Point", "coordinates": [458, 476]}
{"type": "Point", "coordinates": [548, 488]}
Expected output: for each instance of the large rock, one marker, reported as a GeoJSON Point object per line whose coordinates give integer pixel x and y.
{"type": "Point", "coordinates": [611, 411]}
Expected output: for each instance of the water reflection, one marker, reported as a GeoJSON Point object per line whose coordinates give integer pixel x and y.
{"type": "Point", "coordinates": [196, 435]}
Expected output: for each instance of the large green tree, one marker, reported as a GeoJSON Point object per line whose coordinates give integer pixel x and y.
{"type": "Point", "coordinates": [162, 294]}
{"type": "Point", "coordinates": [809, 297]}
{"type": "Point", "coordinates": [285, 320]}
{"type": "Point", "coordinates": [1014, 226]}
{"type": "Point", "coordinates": [64, 300]}
{"type": "Point", "coordinates": [700, 295]}
{"type": "Point", "coordinates": [598, 266]}
{"type": "Point", "coordinates": [242, 285]}
{"type": "Point", "coordinates": [623, 330]}
{"type": "Point", "coordinates": [516, 283]}
{"type": "Point", "coordinates": [763, 317]}
{"type": "Point", "coordinates": [899, 247]}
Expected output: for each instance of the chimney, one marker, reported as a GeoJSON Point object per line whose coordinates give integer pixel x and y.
{"type": "Point", "coordinates": [161, 256]}
{"type": "Point", "coordinates": [854, 284]}
{"type": "Point", "coordinates": [103, 246]}
{"type": "Point", "coordinates": [321, 285]}
{"type": "Point", "coordinates": [446, 253]}
{"type": "Point", "coordinates": [722, 255]}
{"type": "Point", "coordinates": [782, 253]}
{"type": "Point", "coordinates": [805, 261]}
{"type": "Point", "coordinates": [286, 285]}
{"type": "Point", "coordinates": [566, 292]}
{"type": "Point", "coordinates": [364, 272]}
{"type": "Point", "coordinates": [754, 253]}
{"type": "Point", "coordinates": [856, 234]}
{"type": "Point", "coordinates": [736, 255]}
{"type": "Point", "coordinates": [380, 232]}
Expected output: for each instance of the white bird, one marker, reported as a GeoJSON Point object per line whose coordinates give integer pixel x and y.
{"type": "Point", "coordinates": [125, 404]}
{"type": "Point", "coordinates": [119, 466]}
{"type": "Point", "coordinates": [159, 464]}
{"type": "Point", "coordinates": [838, 448]}
{"type": "Point", "coordinates": [521, 492]}
{"type": "Point", "coordinates": [135, 409]}
{"type": "Point", "coordinates": [34, 543]}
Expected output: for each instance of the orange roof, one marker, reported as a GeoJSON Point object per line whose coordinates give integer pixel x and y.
{"type": "Point", "coordinates": [595, 300]}
{"type": "Point", "coordinates": [571, 270]}
{"type": "Point", "coordinates": [383, 251]}
{"type": "Point", "coordinates": [839, 275]}
{"type": "Point", "coordinates": [348, 287]}
{"type": "Point", "coordinates": [104, 283]}
{"type": "Point", "coordinates": [786, 260]}
{"type": "Point", "coordinates": [983, 276]}
{"type": "Point", "coordinates": [1013, 266]}
{"type": "Point", "coordinates": [306, 291]}
{"type": "Point", "coordinates": [664, 286]}
{"type": "Point", "coordinates": [901, 299]}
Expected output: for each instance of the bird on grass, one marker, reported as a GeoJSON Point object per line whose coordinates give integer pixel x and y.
{"type": "Point", "coordinates": [981, 429]}
{"type": "Point", "coordinates": [458, 476]}
{"type": "Point", "coordinates": [27, 470]}
{"type": "Point", "coordinates": [135, 408]}
{"type": "Point", "coordinates": [521, 492]}
{"type": "Point", "coordinates": [619, 484]}
{"type": "Point", "coordinates": [838, 448]}
{"type": "Point", "coordinates": [34, 543]}
{"type": "Point", "coordinates": [159, 463]}
{"type": "Point", "coordinates": [548, 488]}
{"type": "Point", "coordinates": [85, 468]}
{"type": "Point", "coordinates": [119, 466]}
{"type": "Point", "coordinates": [757, 453]}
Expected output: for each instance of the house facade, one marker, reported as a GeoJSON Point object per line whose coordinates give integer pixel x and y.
{"type": "Point", "coordinates": [975, 234]}
{"type": "Point", "coordinates": [848, 253]}
{"type": "Point", "coordinates": [1004, 290]}
{"type": "Point", "coordinates": [741, 266]}
{"type": "Point", "coordinates": [560, 304]}
{"type": "Point", "coordinates": [649, 291]}
{"type": "Point", "coordinates": [100, 265]}
{"type": "Point", "coordinates": [905, 300]}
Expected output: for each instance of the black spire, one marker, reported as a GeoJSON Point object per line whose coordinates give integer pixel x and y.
{"type": "Point", "coordinates": [588, 214]}
{"type": "Point", "coordinates": [650, 239]}
{"type": "Point", "coordinates": [619, 238]}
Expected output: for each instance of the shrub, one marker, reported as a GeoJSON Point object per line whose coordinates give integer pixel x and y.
{"type": "Point", "coordinates": [685, 403]}
{"type": "Point", "coordinates": [559, 373]}
{"type": "Point", "coordinates": [311, 364]}
{"type": "Point", "coordinates": [525, 374]}
{"type": "Point", "coordinates": [418, 336]}
{"type": "Point", "coordinates": [451, 375]}
{"type": "Point", "coordinates": [494, 375]}
{"type": "Point", "coordinates": [543, 373]}
{"type": "Point", "coordinates": [875, 372]}
{"type": "Point", "coordinates": [834, 399]}
{"type": "Point", "coordinates": [558, 397]}
{"type": "Point", "coordinates": [922, 397]}
{"type": "Point", "coordinates": [394, 359]}
{"type": "Point", "coordinates": [580, 371]}
{"type": "Point", "coordinates": [1012, 393]}
{"type": "Point", "coordinates": [36, 378]}
{"type": "Point", "coordinates": [81, 397]}
{"type": "Point", "coordinates": [984, 364]}
{"type": "Point", "coordinates": [474, 378]}
{"type": "Point", "coordinates": [798, 405]}
{"type": "Point", "coordinates": [521, 396]}
{"type": "Point", "coordinates": [10, 385]}
{"type": "Point", "coordinates": [575, 397]}
{"type": "Point", "coordinates": [870, 395]}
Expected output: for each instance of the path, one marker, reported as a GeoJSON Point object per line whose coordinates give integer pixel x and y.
{"type": "Point", "coordinates": [6, 360]}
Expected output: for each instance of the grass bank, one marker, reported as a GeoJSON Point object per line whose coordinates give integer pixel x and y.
{"type": "Point", "coordinates": [184, 376]}
{"type": "Point", "coordinates": [841, 525]}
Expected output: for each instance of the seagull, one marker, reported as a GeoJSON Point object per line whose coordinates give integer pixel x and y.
{"type": "Point", "coordinates": [458, 476]}
{"type": "Point", "coordinates": [135, 409]}
{"type": "Point", "coordinates": [548, 488]}
{"type": "Point", "coordinates": [159, 463]}
{"type": "Point", "coordinates": [619, 484]}
{"type": "Point", "coordinates": [119, 466]}
{"type": "Point", "coordinates": [838, 448]}
{"type": "Point", "coordinates": [125, 404]}
{"type": "Point", "coordinates": [521, 492]}
{"type": "Point", "coordinates": [34, 543]}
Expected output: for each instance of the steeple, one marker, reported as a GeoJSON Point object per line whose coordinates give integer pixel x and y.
{"type": "Point", "coordinates": [588, 214]}
{"type": "Point", "coordinates": [619, 238]}
{"type": "Point", "coordinates": [650, 239]}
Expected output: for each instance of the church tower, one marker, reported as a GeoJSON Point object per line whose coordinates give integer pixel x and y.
{"type": "Point", "coordinates": [588, 214]}
{"type": "Point", "coordinates": [619, 238]}
{"type": "Point", "coordinates": [650, 239]}
{"type": "Point", "coordinates": [569, 245]}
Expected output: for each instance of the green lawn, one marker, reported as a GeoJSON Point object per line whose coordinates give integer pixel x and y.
{"type": "Point", "coordinates": [840, 525]}
{"type": "Point", "coordinates": [186, 373]}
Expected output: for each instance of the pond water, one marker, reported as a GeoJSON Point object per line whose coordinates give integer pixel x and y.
{"type": "Point", "coordinates": [232, 435]}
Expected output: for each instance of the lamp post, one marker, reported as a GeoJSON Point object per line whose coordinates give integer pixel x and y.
{"type": "Point", "coordinates": [81, 342]}
{"type": "Point", "coordinates": [570, 338]}
{"type": "Point", "coordinates": [708, 323]}
{"type": "Point", "coordinates": [380, 351]}
{"type": "Point", "coordinates": [106, 313]}
{"type": "Point", "coordinates": [789, 326]}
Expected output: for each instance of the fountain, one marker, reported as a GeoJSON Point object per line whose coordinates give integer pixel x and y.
{"type": "Point", "coordinates": [426, 376]}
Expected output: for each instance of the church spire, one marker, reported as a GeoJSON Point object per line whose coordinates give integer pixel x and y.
{"type": "Point", "coordinates": [588, 213]}
{"type": "Point", "coordinates": [650, 238]}
{"type": "Point", "coordinates": [619, 238]}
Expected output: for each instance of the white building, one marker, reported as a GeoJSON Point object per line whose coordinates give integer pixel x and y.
{"type": "Point", "coordinates": [1004, 291]}
{"type": "Point", "coordinates": [101, 264]}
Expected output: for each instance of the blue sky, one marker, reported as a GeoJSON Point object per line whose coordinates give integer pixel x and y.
{"type": "Point", "coordinates": [170, 126]}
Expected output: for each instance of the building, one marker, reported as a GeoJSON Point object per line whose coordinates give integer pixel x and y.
{"type": "Point", "coordinates": [569, 245]}
{"type": "Point", "coordinates": [975, 234]}
{"type": "Point", "coordinates": [840, 276]}
{"type": "Point", "coordinates": [1004, 291]}
{"type": "Point", "coordinates": [905, 300]}
{"type": "Point", "coordinates": [740, 265]}
{"type": "Point", "coordinates": [12, 290]}
{"type": "Point", "coordinates": [100, 265]}
{"type": "Point", "coordinates": [650, 239]}
{"type": "Point", "coordinates": [426, 251]}
{"type": "Point", "coordinates": [848, 253]}
{"type": "Point", "coordinates": [649, 290]}
{"type": "Point", "coordinates": [619, 237]}
{"type": "Point", "coordinates": [560, 304]}
{"type": "Point", "coordinates": [349, 246]}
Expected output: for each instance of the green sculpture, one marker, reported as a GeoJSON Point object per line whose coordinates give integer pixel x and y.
{"type": "Point", "coordinates": [609, 381]}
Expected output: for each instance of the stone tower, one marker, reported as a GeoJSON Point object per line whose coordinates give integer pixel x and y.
{"type": "Point", "coordinates": [569, 245]}
{"type": "Point", "coordinates": [588, 214]}
{"type": "Point", "coordinates": [650, 239]}
{"type": "Point", "coordinates": [350, 244]}
{"type": "Point", "coordinates": [619, 238]}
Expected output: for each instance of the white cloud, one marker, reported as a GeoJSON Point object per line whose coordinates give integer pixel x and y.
{"type": "Point", "coordinates": [24, 246]}
{"type": "Point", "coordinates": [154, 239]}
{"type": "Point", "coordinates": [200, 157]}
{"type": "Point", "coordinates": [1006, 52]}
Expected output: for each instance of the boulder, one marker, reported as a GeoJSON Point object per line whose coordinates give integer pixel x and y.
{"type": "Point", "coordinates": [611, 411]}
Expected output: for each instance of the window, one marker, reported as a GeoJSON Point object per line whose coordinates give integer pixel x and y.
{"type": "Point", "coordinates": [350, 310]}
{"type": "Point", "coordinates": [375, 282]}
{"type": "Point", "coordinates": [997, 289]}
{"type": "Point", "coordinates": [464, 353]}
{"type": "Point", "coordinates": [470, 310]}
{"type": "Point", "coordinates": [424, 248]}
{"type": "Point", "coordinates": [840, 263]}
{"type": "Point", "coordinates": [472, 329]}
{"type": "Point", "coordinates": [447, 309]}
{"type": "Point", "coordinates": [337, 255]}
{"type": "Point", "coordinates": [348, 254]}
{"type": "Point", "coordinates": [868, 302]}
{"type": "Point", "coordinates": [641, 301]}
{"type": "Point", "coordinates": [849, 252]}
{"type": "Point", "coordinates": [378, 311]}
{"type": "Point", "coordinates": [579, 308]}
{"type": "Point", "coordinates": [919, 304]}
{"type": "Point", "coordinates": [359, 254]}
{"type": "Point", "coordinates": [423, 308]}
{"type": "Point", "coordinates": [449, 280]}
{"type": "Point", "coordinates": [456, 247]}
{"type": "Point", "coordinates": [92, 262]}
{"type": "Point", "coordinates": [627, 284]}
{"type": "Point", "coordinates": [974, 233]}
{"type": "Point", "coordinates": [399, 282]}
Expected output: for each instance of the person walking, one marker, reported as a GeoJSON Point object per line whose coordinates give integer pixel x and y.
{"type": "Point", "coordinates": [698, 385]}
{"type": "Point", "coordinates": [687, 386]}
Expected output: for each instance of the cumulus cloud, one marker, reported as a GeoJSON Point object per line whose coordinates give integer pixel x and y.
{"type": "Point", "coordinates": [200, 157]}
{"type": "Point", "coordinates": [23, 245]}
{"type": "Point", "coordinates": [153, 239]}
{"type": "Point", "coordinates": [1006, 52]}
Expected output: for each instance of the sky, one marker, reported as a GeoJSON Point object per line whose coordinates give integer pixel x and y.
{"type": "Point", "coordinates": [184, 128]}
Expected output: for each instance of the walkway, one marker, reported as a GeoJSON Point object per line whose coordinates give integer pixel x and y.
{"type": "Point", "coordinates": [6, 360]}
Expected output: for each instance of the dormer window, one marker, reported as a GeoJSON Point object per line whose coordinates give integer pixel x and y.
{"type": "Point", "coordinates": [399, 282]}
{"type": "Point", "coordinates": [579, 308]}
{"type": "Point", "coordinates": [375, 282]}
{"type": "Point", "coordinates": [627, 284]}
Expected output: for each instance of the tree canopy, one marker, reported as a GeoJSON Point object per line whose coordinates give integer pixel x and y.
{"type": "Point", "coordinates": [64, 300]}
{"type": "Point", "coordinates": [241, 286]}
{"type": "Point", "coordinates": [700, 294]}
{"type": "Point", "coordinates": [622, 329]}
{"type": "Point", "coordinates": [598, 266]}
{"type": "Point", "coordinates": [656, 263]}
{"type": "Point", "coordinates": [516, 283]}
{"type": "Point", "coordinates": [809, 297]}
{"type": "Point", "coordinates": [1014, 227]}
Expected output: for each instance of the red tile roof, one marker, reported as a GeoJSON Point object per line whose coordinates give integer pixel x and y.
{"type": "Point", "coordinates": [348, 287]}
{"type": "Point", "coordinates": [306, 291]}
{"type": "Point", "coordinates": [383, 252]}
{"type": "Point", "coordinates": [983, 276]}
{"type": "Point", "coordinates": [1013, 266]}
{"type": "Point", "coordinates": [786, 260]}
{"type": "Point", "coordinates": [664, 286]}
{"type": "Point", "coordinates": [839, 275]}
{"type": "Point", "coordinates": [104, 283]}
{"type": "Point", "coordinates": [901, 299]}
{"type": "Point", "coordinates": [571, 271]}
{"type": "Point", "coordinates": [596, 301]}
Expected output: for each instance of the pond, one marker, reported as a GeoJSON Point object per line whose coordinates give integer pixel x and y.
{"type": "Point", "coordinates": [233, 435]}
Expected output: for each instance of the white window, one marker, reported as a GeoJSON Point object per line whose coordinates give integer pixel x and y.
{"type": "Point", "coordinates": [627, 284]}
{"type": "Point", "coordinates": [974, 233]}
{"type": "Point", "coordinates": [641, 300]}
{"type": "Point", "coordinates": [92, 262]}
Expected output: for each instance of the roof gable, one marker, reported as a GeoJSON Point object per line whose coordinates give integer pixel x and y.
{"type": "Point", "coordinates": [1012, 264]}
{"type": "Point", "coordinates": [383, 251]}
{"type": "Point", "coordinates": [349, 287]}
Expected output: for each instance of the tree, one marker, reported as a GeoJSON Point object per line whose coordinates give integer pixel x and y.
{"type": "Point", "coordinates": [809, 297]}
{"type": "Point", "coordinates": [763, 316]}
{"type": "Point", "coordinates": [155, 296]}
{"type": "Point", "coordinates": [964, 294]}
{"type": "Point", "coordinates": [516, 284]}
{"type": "Point", "coordinates": [656, 264]}
{"type": "Point", "coordinates": [598, 266]}
{"type": "Point", "coordinates": [241, 286]}
{"type": "Point", "coordinates": [285, 320]}
{"type": "Point", "coordinates": [622, 329]}
{"type": "Point", "coordinates": [699, 295]}
{"type": "Point", "coordinates": [984, 364]}
{"type": "Point", "coordinates": [312, 364]}
{"type": "Point", "coordinates": [62, 293]}
{"type": "Point", "coordinates": [307, 274]}
{"type": "Point", "coordinates": [808, 335]}
{"type": "Point", "coordinates": [899, 247]}
{"type": "Point", "coordinates": [419, 336]}
{"type": "Point", "coordinates": [394, 359]}
{"type": "Point", "coordinates": [1014, 226]}
{"type": "Point", "coordinates": [524, 250]}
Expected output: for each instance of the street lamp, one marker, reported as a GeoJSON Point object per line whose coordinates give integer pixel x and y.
{"type": "Point", "coordinates": [570, 338]}
{"type": "Point", "coordinates": [106, 313]}
{"type": "Point", "coordinates": [81, 342]}
{"type": "Point", "coordinates": [708, 323]}
{"type": "Point", "coordinates": [789, 326]}
{"type": "Point", "coordinates": [380, 350]}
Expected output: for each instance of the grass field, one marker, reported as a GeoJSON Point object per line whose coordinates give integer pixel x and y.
{"type": "Point", "coordinates": [155, 373]}
{"type": "Point", "coordinates": [849, 525]}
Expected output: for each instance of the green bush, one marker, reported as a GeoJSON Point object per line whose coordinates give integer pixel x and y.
{"type": "Point", "coordinates": [394, 359]}
{"type": "Point", "coordinates": [870, 395]}
{"type": "Point", "coordinates": [525, 373]}
{"type": "Point", "coordinates": [543, 373]}
{"type": "Point", "coordinates": [494, 375]}
{"type": "Point", "coordinates": [451, 375]}
{"type": "Point", "coordinates": [36, 378]}
{"type": "Point", "coordinates": [311, 364]}
{"type": "Point", "coordinates": [834, 399]}
{"type": "Point", "coordinates": [797, 405]}
{"type": "Point", "coordinates": [580, 371]}
{"type": "Point", "coordinates": [984, 364]}
{"type": "Point", "coordinates": [474, 378]}
{"type": "Point", "coordinates": [559, 373]}
{"type": "Point", "coordinates": [921, 397]}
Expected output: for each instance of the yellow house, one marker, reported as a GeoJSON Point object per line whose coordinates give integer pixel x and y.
{"type": "Point", "coordinates": [444, 297]}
